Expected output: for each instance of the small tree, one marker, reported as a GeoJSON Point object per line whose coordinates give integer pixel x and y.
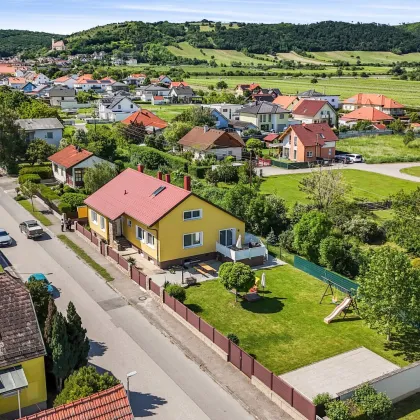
{"type": "Point", "coordinates": [409, 137]}
{"type": "Point", "coordinates": [397, 126]}
{"type": "Point", "coordinates": [49, 322]}
{"type": "Point", "coordinates": [29, 190]}
{"type": "Point", "coordinates": [338, 410]}
{"type": "Point", "coordinates": [176, 291]}
{"type": "Point", "coordinates": [221, 85]}
{"type": "Point", "coordinates": [84, 382]}
{"type": "Point", "coordinates": [96, 177]}
{"type": "Point", "coordinates": [40, 298]}
{"type": "Point", "coordinates": [253, 146]}
{"type": "Point", "coordinates": [39, 150]}
{"type": "Point", "coordinates": [376, 406]}
{"type": "Point", "coordinates": [236, 276]}
{"type": "Point", "coordinates": [272, 239]}
{"type": "Point", "coordinates": [414, 117]}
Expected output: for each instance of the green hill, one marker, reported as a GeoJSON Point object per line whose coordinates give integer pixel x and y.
{"type": "Point", "coordinates": [16, 41]}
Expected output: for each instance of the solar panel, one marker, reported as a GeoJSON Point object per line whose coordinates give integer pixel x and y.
{"type": "Point", "coordinates": [158, 191]}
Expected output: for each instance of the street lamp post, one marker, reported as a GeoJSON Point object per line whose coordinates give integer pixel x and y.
{"type": "Point", "coordinates": [129, 375]}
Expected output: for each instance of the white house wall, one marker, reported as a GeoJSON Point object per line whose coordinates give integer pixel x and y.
{"type": "Point", "coordinates": [57, 135]}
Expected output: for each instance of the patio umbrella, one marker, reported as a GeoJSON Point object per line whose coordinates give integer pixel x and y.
{"type": "Point", "coordinates": [263, 280]}
{"type": "Point", "coordinates": [239, 242]}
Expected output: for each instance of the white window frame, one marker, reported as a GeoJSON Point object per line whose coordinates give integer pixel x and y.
{"type": "Point", "coordinates": [192, 217]}
{"type": "Point", "coordinates": [141, 237]}
{"type": "Point", "coordinates": [129, 224]}
{"type": "Point", "coordinates": [146, 241]}
{"type": "Point", "coordinates": [309, 154]}
{"type": "Point", "coordinates": [94, 216]}
{"type": "Point", "coordinates": [195, 245]}
{"type": "Point", "coordinates": [102, 223]}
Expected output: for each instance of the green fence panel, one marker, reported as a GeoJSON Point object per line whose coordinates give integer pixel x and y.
{"type": "Point", "coordinates": [321, 273]}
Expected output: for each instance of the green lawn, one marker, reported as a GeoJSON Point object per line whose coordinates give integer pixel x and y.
{"type": "Point", "coordinates": [382, 149]}
{"type": "Point", "coordinates": [37, 214]}
{"type": "Point", "coordinates": [285, 330]}
{"type": "Point", "coordinates": [166, 112]}
{"type": "Point", "coordinates": [364, 185]}
{"type": "Point", "coordinates": [414, 170]}
{"type": "Point", "coordinates": [408, 409]}
{"type": "Point", "coordinates": [379, 57]}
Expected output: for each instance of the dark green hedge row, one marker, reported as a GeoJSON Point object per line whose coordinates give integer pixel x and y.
{"type": "Point", "coordinates": [45, 172]}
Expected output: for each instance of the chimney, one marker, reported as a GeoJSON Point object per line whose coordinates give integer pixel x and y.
{"type": "Point", "coordinates": [187, 183]}
{"type": "Point", "coordinates": [168, 178]}
{"type": "Point", "coordinates": [206, 128]}
{"type": "Point", "coordinates": [140, 168]}
{"type": "Point", "coordinates": [159, 175]}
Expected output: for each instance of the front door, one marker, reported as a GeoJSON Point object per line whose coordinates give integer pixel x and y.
{"type": "Point", "coordinates": [227, 237]}
{"type": "Point", "coordinates": [118, 228]}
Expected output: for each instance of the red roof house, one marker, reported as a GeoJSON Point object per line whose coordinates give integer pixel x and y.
{"type": "Point", "coordinates": [286, 102]}
{"type": "Point", "coordinates": [311, 111]}
{"type": "Point", "coordinates": [307, 142]}
{"type": "Point", "coordinates": [271, 138]}
{"type": "Point", "coordinates": [365, 114]}
{"type": "Point", "coordinates": [151, 121]}
{"type": "Point", "coordinates": [374, 100]}
{"type": "Point", "coordinates": [111, 404]}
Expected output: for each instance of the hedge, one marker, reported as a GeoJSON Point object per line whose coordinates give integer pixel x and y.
{"type": "Point", "coordinates": [152, 158]}
{"type": "Point", "coordinates": [45, 172]}
{"type": "Point", "coordinates": [64, 208]}
{"type": "Point", "coordinates": [198, 171]}
{"type": "Point", "coordinates": [36, 179]}
{"type": "Point", "coordinates": [73, 200]}
{"type": "Point", "coordinates": [26, 164]}
{"type": "Point", "coordinates": [48, 193]}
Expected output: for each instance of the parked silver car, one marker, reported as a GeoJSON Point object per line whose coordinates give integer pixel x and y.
{"type": "Point", "coordinates": [5, 239]}
{"type": "Point", "coordinates": [355, 158]}
{"type": "Point", "coordinates": [31, 229]}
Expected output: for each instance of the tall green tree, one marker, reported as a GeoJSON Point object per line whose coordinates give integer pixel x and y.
{"type": "Point", "coordinates": [389, 292]}
{"type": "Point", "coordinates": [176, 131]}
{"type": "Point", "coordinates": [97, 176]}
{"type": "Point", "coordinates": [40, 298]}
{"type": "Point", "coordinates": [237, 276]}
{"type": "Point", "coordinates": [84, 382]}
{"type": "Point", "coordinates": [197, 116]}
{"type": "Point", "coordinates": [39, 150]}
{"type": "Point", "coordinates": [79, 343]}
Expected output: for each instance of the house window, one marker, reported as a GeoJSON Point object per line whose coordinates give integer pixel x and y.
{"type": "Point", "coordinates": [150, 239]}
{"type": "Point", "coordinates": [139, 233]}
{"type": "Point", "coordinates": [94, 216]}
{"type": "Point", "coordinates": [294, 154]}
{"type": "Point", "coordinates": [119, 106]}
{"type": "Point", "coordinates": [55, 167]}
{"type": "Point", "coordinates": [281, 116]}
{"type": "Point", "coordinates": [131, 106]}
{"type": "Point", "coordinates": [78, 175]}
{"type": "Point", "coordinates": [193, 214]}
{"type": "Point", "coordinates": [295, 141]}
{"type": "Point", "coordinates": [309, 154]}
{"type": "Point", "coordinates": [49, 135]}
{"type": "Point", "coordinates": [226, 237]}
{"type": "Point", "coordinates": [224, 110]}
{"type": "Point", "coordinates": [102, 223]}
{"type": "Point", "coordinates": [329, 152]}
{"type": "Point", "coordinates": [192, 240]}
{"type": "Point", "coordinates": [128, 222]}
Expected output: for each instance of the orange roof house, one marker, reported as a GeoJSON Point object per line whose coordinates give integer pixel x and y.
{"type": "Point", "coordinates": [111, 404]}
{"type": "Point", "coordinates": [147, 118]}
{"type": "Point", "coordinates": [365, 114]}
{"type": "Point", "coordinates": [286, 102]}
{"type": "Point", "coordinates": [373, 100]}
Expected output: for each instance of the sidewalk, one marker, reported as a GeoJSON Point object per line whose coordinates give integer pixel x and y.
{"type": "Point", "coordinates": [226, 375]}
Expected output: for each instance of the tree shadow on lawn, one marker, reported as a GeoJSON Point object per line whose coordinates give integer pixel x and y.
{"type": "Point", "coordinates": [408, 406]}
{"type": "Point", "coordinates": [406, 345]}
{"type": "Point", "coordinates": [194, 307]}
{"type": "Point", "coordinates": [267, 305]}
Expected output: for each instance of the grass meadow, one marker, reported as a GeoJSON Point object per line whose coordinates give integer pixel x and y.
{"type": "Point", "coordinates": [414, 171]}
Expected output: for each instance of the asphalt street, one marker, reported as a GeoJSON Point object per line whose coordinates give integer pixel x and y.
{"type": "Point", "coordinates": [168, 385]}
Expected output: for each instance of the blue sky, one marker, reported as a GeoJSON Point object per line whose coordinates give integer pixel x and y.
{"type": "Point", "coordinates": [69, 16]}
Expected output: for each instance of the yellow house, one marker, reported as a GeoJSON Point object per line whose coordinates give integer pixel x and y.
{"type": "Point", "coordinates": [22, 371]}
{"type": "Point", "coordinates": [167, 224]}
{"type": "Point", "coordinates": [266, 116]}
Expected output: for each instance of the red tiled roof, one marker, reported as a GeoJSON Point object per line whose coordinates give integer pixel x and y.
{"type": "Point", "coordinates": [312, 134]}
{"type": "Point", "coordinates": [7, 69]}
{"type": "Point", "coordinates": [137, 75]}
{"type": "Point", "coordinates": [111, 404]}
{"type": "Point", "coordinates": [177, 84]}
{"type": "Point", "coordinates": [146, 117]}
{"type": "Point", "coordinates": [373, 99]}
{"type": "Point", "coordinates": [158, 98]}
{"type": "Point", "coordinates": [132, 193]}
{"type": "Point", "coordinates": [285, 101]}
{"type": "Point", "coordinates": [70, 156]}
{"type": "Point", "coordinates": [367, 113]}
{"type": "Point", "coordinates": [271, 137]}
{"type": "Point", "coordinates": [380, 126]}
{"type": "Point", "coordinates": [62, 79]}
{"type": "Point", "coordinates": [17, 80]}
{"type": "Point", "coordinates": [308, 107]}
{"type": "Point", "coordinates": [253, 86]}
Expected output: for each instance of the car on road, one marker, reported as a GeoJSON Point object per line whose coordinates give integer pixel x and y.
{"type": "Point", "coordinates": [355, 158]}
{"type": "Point", "coordinates": [343, 159]}
{"type": "Point", "coordinates": [5, 239]}
{"type": "Point", "coordinates": [31, 229]}
{"type": "Point", "coordinates": [41, 277]}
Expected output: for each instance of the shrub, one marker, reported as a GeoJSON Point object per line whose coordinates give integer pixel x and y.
{"type": "Point", "coordinates": [73, 199]}
{"type": "Point", "coordinates": [48, 193]}
{"type": "Point", "coordinates": [376, 406]}
{"type": "Point", "coordinates": [176, 291]}
{"type": "Point", "coordinates": [36, 179]}
{"type": "Point", "coordinates": [20, 197]}
{"type": "Point", "coordinates": [153, 158]}
{"type": "Point", "coordinates": [338, 410]}
{"type": "Point", "coordinates": [64, 208]}
{"type": "Point", "coordinates": [286, 240]}
{"type": "Point", "coordinates": [416, 263]}
{"type": "Point", "coordinates": [67, 189]}
{"type": "Point", "coordinates": [198, 171]}
{"type": "Point", "coordinates": [365, 230]}
{"type": "Point", "coordinates": [45, 172]}
{"type": "Point", "coordinates": [234, 338]}
{"type": "Point", "coordinates": [322, 399]}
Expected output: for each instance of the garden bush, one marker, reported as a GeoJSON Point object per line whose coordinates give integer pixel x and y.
{"type": "Point", "coordinates": [322, 399]}
{"type": "Point", "coordinates": [48, 193]}
{"type": "Point", "coordinates": [68, 189]}
{"type": "Point", "coordinates": [73, 200]}
{"type": "Point", "coordinates": [376, 406]}
{"type": "Point", "coordinates": [176, 291]}
{"type": "Point", "coordinates": [153, 158]}
{"type": "Point", "coordinates": [338, 410]}
{"type": "Point", "coordinates": [45, 172]}
{"type": "Point", "coordinates": [36, 179]}
{"type": "Point", "coordinates": [198, 171]}
{"type": "Point", "coordinates": [64, 208]}
{"type": "Point", "coordinates": [234, 338]}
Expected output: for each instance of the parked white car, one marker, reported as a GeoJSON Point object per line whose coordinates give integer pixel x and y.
{"type": "Point", "coordinates": [355, 158]}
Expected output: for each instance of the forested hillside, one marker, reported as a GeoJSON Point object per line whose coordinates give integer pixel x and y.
{"type": "Point", "coordinates": [16, 41]}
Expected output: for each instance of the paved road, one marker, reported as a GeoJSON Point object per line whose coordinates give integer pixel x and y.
{"type": "Point", "coordinates": [168, 385]}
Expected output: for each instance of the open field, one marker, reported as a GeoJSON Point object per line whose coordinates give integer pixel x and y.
{"type": "Point", "coordinates": [382, 149]}
{"type": "Point", "coordinates": [414, 171]}
{"type": "Point", "coordinates": [166, 112]}
{"type": "Point", "coordinates": [364, 186]}
{"type": "Point", "coordinates": [285, 330]}
{"type": "Point", "coordinates": [380, 57]}
{"type": "Point", "coordinates": [299, 58]}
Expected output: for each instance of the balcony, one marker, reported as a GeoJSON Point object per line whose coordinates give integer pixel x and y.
{"type": "Point", "coordinates": [252, 249]}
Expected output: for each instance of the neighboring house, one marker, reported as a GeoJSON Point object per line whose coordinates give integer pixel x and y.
{"type": "Point", "coordinates": [10, 70]}
{"type": "Point", "coordinates": [37, 78]}
{"type": "Point", "coordinates": [266, 116]}
{"type": "Point", "coordinates": [111, 404]}
{"type": "Point", "coordinates": [151, 122]}
{"type": "Point", "coordinates": [415, 127]}
{"type": "Point", "coordinates": [16, 82]}
{"type": "Point", "coordinates": [158, 100]}
{"type": "Point", "coordinates": [146, 93]}
{"type": "Point", "coordinates": [227, 110]}
{"type": "Point", "coordinates": [267, 95]}
{"type": "Point", "coordinates": [68, 81]}
{"type": "Point", "coordinates": [60, 94]}
{"type": "Point", "coordinates": [70, 164]}
{"type": "Point", "coordinates": [116, 108]}
{"type": "Point", "coordinates": [272, 138]}
{"type": "Point", "coordinates": [204, 141]}
{"type": "Point", "coordinates": [86, 83]}
{"type": "Point", "coordinates": [365, 114]}
{"type": "Point", "coordinates": [242, 89]}
{"type": "Point", "coordinates": [373, 100]}
{"type": "Point", "coordinates": [28, 87]}
{"type": "Point", "coordinates": [221, 120]}
{"type": "Point", "coordinates": [178, 84]}
{"type": "Point", "coordinates": [240, 126]}
{"type": "Point", "coordinates": [286, 102]}
{"type": "Point", "coordinates": [309, 142]}
{"type": "Point", "coordinates": [136, 79]}
{"type": "Point", "coordinates": [313, 112]}
{"type": "Point", "coordinates": [40, 90]}
{"type": "Point", "coordinates": [116, 87]}
{"type": "Point", "coordinates": [22, 351]}
{"type": "Point", "coordinates": [168, 225]}
{"type": "Point", "coordinates": [181, 94]}
{"type": "Point", "coordinates": [166, 80]}
{"type": "Point", "coordinates": [333, 100]}
{"type": "Point", "coordinates": [48, 129]}
{"type": "Point", "coordinates": [131, 62]}
{"type": "Point", "coordinates": [58, 45]}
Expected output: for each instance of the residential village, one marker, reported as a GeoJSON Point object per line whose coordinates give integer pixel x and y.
{"type": "Point", "coordinates": [267, 228]}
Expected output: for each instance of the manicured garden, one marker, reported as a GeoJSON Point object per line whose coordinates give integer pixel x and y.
{"type": "Point", "coordinates": [414, 171]}
{"type": "Point", "coordinates": [382, 149]}
{"type": "Point", "coordinates": [285, 330]}
{"type": "Point", "coordinates": [366, 186]}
